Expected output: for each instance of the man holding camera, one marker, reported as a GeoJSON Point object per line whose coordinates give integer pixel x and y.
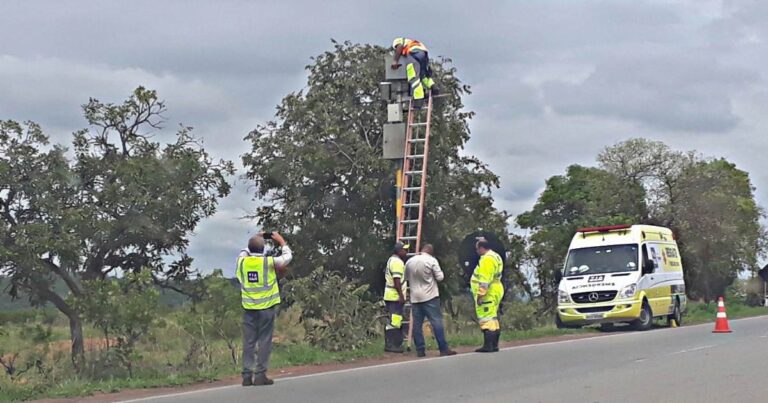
{"type": "Point", "coordinates": [258, 274]}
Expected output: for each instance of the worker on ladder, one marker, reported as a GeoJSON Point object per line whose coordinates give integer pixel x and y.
{"type": "Point", "coordinates": [418, 80]}
{"type": "Point", "coordinates": [394, 298]}
{"type": "Point", "coordinates": [488, 291]}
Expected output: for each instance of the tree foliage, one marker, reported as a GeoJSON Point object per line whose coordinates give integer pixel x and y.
{"type": "Point", "coordinates": [122, 203]}
{"type": "Point", "coordinates": [335, 311]}
{"type": "Point", "coordinates": [318, 169]}
{"type": "Point", "coordinates": [123, 310]}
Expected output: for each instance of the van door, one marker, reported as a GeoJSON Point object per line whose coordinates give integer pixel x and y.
{"type": "Point", "coordinates": [649, 282]}
{"type": "Point", "coordinates": [660, 281]}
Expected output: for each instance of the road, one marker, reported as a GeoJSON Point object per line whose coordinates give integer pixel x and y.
{"type": "Point", "coordinates": [687, 364]}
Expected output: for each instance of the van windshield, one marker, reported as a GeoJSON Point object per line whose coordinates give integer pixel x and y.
{"type": "Point", "coordinates": [601, 259]}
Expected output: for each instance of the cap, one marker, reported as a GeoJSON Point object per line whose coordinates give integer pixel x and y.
{"type": "Point", "coordinates": [400, 246]}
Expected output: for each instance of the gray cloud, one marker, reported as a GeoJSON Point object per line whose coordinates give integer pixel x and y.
{"type": "Point", "coordinates": [553, 82]}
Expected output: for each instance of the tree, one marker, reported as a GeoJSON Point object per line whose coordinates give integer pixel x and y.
{"type": "Point", "coordinates": [654, 166]}
{"type": "Point", "coordinates": [708, 203]}
{"type": "Point", "coordinates": [318, 169]}
{"type": "Point", "coordinates": [583, 197]}
{"type": "Point", "coordinates": [718, 222]}
{"type": "Point", "coordinates": [124, 203]}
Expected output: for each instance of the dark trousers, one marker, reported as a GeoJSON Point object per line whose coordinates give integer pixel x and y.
{"type": "Point", "coordinates": [430, 310]}
{"type": "Point", "coordinates": [258, 326]}
{"type": "Point", "coordinates": [394, 308]}
{"type": "Point", "coordinates": [423, 59]}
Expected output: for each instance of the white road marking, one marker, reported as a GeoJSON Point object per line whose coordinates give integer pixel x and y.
{"type": "Point", "coordinates": [342, 371]}
{"type": "Point", "coordinates": [692, 349]}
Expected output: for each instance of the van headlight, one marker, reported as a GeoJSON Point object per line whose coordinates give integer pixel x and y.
{"type": "Point", "coordinates": [563, 297]}
{"type": "Point", "coordinates": [628, 291]}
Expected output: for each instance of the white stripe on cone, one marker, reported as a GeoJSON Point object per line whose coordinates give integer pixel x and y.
{"type": "Point", "coordinates": [721, 315]}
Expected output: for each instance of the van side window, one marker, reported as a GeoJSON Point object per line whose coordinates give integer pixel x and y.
{"type": "Point", "coordinates": [647, 261]}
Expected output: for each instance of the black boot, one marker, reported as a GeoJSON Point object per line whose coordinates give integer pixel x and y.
{"type": "Point", "coordinates": [487, 343]}
{"type": "Point", "coordinates": [393, 341]}
{"type": "Point", "coordinates": [248, 379]}
{"type": "Point", "coordinates": [262, 379]}
{"type": "Point", "coordinates": [496, 337]}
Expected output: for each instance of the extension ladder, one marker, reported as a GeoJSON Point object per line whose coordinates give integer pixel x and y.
{"type": "Point", "coordinates": [412, 179]}
{"type": "Point", "coordinates": [411, 185]}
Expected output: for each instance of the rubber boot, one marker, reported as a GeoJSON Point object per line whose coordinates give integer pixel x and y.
{"type": "Point", "coordinates": [487, 343]}
{"type": "Point", "coordinates": [496, 337]}
{"type": "Point", "coordinates": [393, 341]}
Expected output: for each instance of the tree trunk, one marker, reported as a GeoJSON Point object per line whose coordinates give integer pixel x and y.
{"type": "Point", "coordinates": [76, 335]}
{"type": "Point", "coordinates": [75, 324]}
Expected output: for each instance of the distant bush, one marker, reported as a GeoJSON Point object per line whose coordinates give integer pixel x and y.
{"type": "Point", "coordinates": [335, 312]}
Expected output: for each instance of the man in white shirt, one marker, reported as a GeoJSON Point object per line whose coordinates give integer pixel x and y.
{"type": "Point", "coordinates": [423, 273]}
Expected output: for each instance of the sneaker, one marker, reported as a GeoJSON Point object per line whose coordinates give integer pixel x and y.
{"type": "Point", "coordinates": [447, 353]}
{"type": "Point", "coordinates": [262, 380]}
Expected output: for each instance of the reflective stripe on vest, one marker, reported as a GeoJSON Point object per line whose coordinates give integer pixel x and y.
{"type": "Point", "coordinates": [258, 284]}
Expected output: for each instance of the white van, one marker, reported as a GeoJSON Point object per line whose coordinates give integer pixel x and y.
{"type": "Point", "coordinates": [621, 274]}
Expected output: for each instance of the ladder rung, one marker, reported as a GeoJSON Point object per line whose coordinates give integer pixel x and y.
{"type": "Point", "coordinates": [416, 140]}
{"type": "Point", "coordinates": [414, 172]}
{"type": "Point", "coordinates": [407, 237]}
{"type": "Point", "coordinates": [411, 205]}
{"type": "Point", "coordinates": [419, 124]}
{"type": "Point", "coordinates": [416, 156]}
{"type": "Point", "coordinates": [412, 189]}
{"type": "Point", "coordinates": [409, 221]}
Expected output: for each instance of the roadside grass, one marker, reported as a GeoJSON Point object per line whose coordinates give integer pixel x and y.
{"type": "Point", "coordinates": [699, 312]}
{"type": "Point", "coordinates": [156, 355]}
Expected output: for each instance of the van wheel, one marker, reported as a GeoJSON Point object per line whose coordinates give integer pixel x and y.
{"type": "Point", "coordinates": [645, 320]}
{"type": "Point", "coordinates": [560, 325]}
{"type": "Point", "coordinates": [677, 315]}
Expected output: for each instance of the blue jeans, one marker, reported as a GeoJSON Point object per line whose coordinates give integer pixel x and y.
{"type": "Point", "coordinates": [430, 309]}
{"type": "Point", "coordinates": [422, 58]}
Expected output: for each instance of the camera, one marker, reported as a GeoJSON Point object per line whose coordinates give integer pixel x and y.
{"type": "Point", "coordinates": [268, 235]}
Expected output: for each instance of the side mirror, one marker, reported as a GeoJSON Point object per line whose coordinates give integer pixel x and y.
{"type": "Point", "coordinates": [558, 274]}
{"type": "Point", "coordinates": [648, 267]}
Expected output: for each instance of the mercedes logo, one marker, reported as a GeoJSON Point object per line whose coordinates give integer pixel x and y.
{"type": "Point", "coordinates": [593, 297]}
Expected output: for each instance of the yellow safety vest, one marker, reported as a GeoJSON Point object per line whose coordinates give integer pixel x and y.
{"type": "Point", "coordinates": [411, 45]}
{"type": "Point", "coordinates": [395, 268]}
{"type": "Point", "coordinates": [487, 273]}
{"type": "Point", "coordinates": [258, 282]}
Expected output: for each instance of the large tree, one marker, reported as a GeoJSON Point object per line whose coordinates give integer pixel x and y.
{"type": "Point", "coordinates": [320, 176]}
{"type": "Point", "coordinates": [121, 203]}
{"type": "Point", "coordinates": [709, 203]}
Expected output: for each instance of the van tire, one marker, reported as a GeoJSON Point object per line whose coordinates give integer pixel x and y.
{"type": "Point", "coordinates": [645, 320]}
{"type": "Point", "coordinates": [677, 315]}
{"type": "Point", "coordinates": [560, 325]}
{"type": "Point", "coordinates": [607, 327]}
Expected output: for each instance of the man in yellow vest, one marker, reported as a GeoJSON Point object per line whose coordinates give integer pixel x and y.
{"type": "Point", "coordinates": [488, 291]}
{"type": "Point", "coordinates": [417, 79]}
{"type": "Point", "coordinates": [260, 296]}
{"type": "Point", "coordinates": [394, 298]}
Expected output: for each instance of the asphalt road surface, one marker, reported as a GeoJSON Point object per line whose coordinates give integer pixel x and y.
{"type": "Point", "coordinates": [687, 364]}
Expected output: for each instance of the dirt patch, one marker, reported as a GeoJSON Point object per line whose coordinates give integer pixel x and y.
{"type": "Point", "coordinates": [288, 372]}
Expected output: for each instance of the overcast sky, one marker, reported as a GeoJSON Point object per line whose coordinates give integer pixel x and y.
{"type": "Point", "coordinates": [553, 81]}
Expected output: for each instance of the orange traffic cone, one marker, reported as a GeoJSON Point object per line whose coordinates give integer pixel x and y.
{"type": "Point", "coordinates": [721, 324]}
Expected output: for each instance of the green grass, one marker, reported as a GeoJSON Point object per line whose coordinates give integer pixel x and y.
{"type": "Point", "coordinates": [698, 312]}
